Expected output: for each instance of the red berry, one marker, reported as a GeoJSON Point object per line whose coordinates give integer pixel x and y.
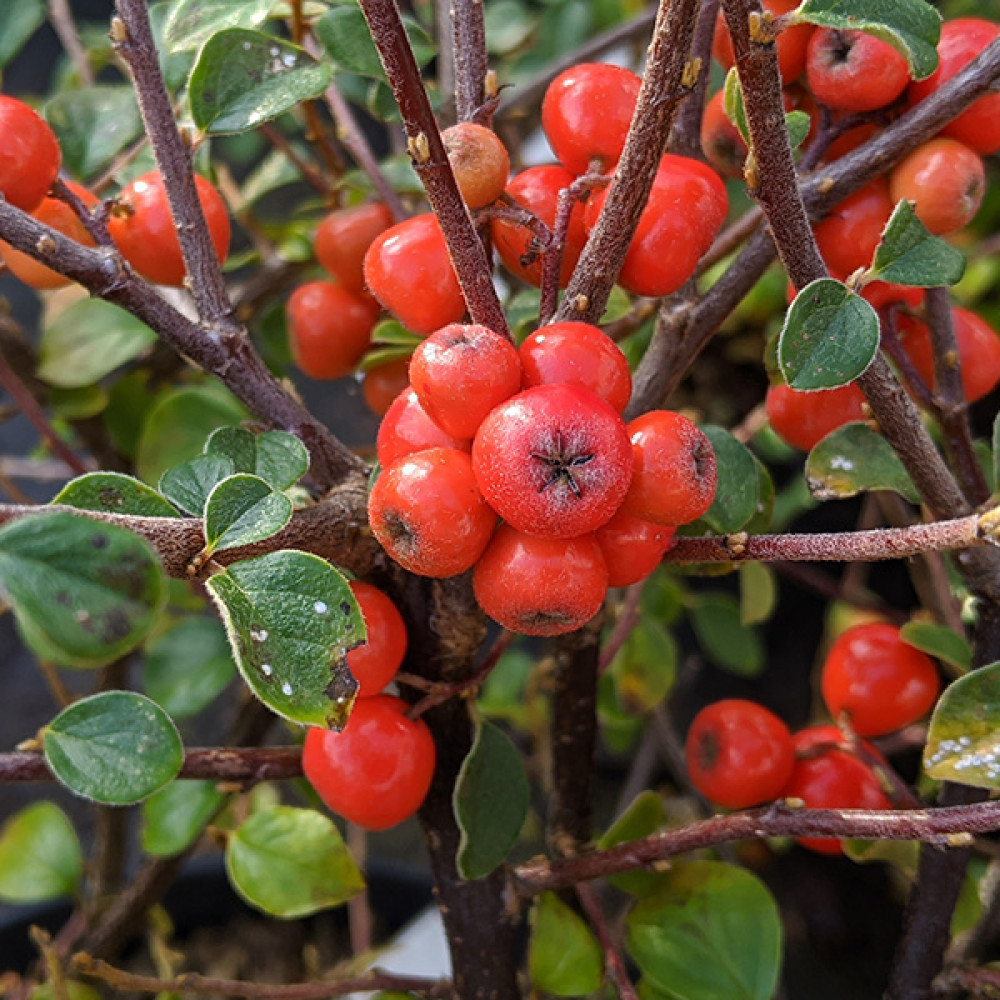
{"type": "Point", "coordinates": [848, 236]}
{"type": "Point", "coordinates": [945, 179]}
{"type": "Point", "coordinates": [29, 155]}
{"type": "Point", "coordinates": [537, 190]}
{"type": "Point", "coordinates": [57, 214]}
{"type": "Point", "coordinates": [406, 429]}
{"type": "Point", "coordinates": [461, 372]}
{"type": "Point", "coordinates": [854, 71]}
{"type": "Point", "coordinates": [329, 328]}
{"type": "Point", "coordinates": [143, 229]}
{"type": "Point", "coordinates": [377, 771]}
{"type": "Point", "coordinates": [428, 514]}
{"type": "Point", "coordinates": [791, 42]}
{"type": "Point", "coordinates": [540, 586]}
{"type": "Point", "coordinates": [586, 113]}
{"type": "Point", "coordinates": [830, 778]}
{"type": "Point", "coordinates": [381, 386]}
{"type": "Point", "coordinates": [343, 237]}
{"type": "Point", "coordinates": [479, 161]}
{"type": "Point", "coordinates": [879, 681]}
{"type": "Point", "coordinates": [553, 460]}
{"type": "Point", "coordinates": [738, 754]}
{"type": "Point", "coordinates": [374, 663]}
{"type": "Point", "coordinates": [408, 269]}
{"type": "Point", "coordinates": [673, 479]}
{"type": "Point", "coordinates": [721, 140]}
{"type": "Point", "coordinates": [632, 548]}
{"type": "Point", "coordinates": [577, 354]}
{"type": "Point", "coordinates": [803, 419]}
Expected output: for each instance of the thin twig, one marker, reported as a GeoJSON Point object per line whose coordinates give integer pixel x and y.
{"type": "Point", "coordinates": [61, 19]}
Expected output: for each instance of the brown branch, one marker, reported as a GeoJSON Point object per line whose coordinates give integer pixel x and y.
{"type": "Point", "coordinates": [685, 140]}
{"type": "Point", "coordinates": [614, 962]}
{"type": "Point", "coordinates": [468, 32]}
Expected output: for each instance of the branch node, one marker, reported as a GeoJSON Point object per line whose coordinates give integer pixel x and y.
{"type": "Point", "coordinates": [118, 33]}
{"type": "Point", "coordinates": [691, 72]}
{"type": "Point", "coordinates": [419, 148]}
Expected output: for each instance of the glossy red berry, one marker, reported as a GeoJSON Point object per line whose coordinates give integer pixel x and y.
{"type": "Point", "coordinates": [29, 154]}
{"type": "Point", "coordinates": [577, 354]}
{"type": "Point", "coordinates": [343, 237]}
{"type": "Point", "coordinates": [406, 429]}
{"type": "Point", "coordinates": [408, 269]}
{"type": "Point", "coordinates": [537, 190]}
{"type": "Point", "coordinates": [428, 513]}
{"type": "Point", "coordinates": [461, 372]}
{"type": "Point", "coordinates": [479, 161]}
{"type": "Point", "coordinates": [739, 754]}
{"type": "Point", "coordinates": [329, 328]}
{"type": "Point", "coordinates": [377, 771]}
{"type": "Point", "coordinates": [674, 475]}
{"type": "Point", "coordinates": [632, 548]}
{"type": "Point", "coordinates": [540, 586]}
{"type": "Point", "coordinates": [721, 141]}
{"type": "Point", "coordinates": [848, 236]}
{"type": "Point", "coordinates": [380, 386]}
{"type": "Point", "coordinates": [880, 682]}
{"type": "Point", "coordinates": [374, 663]}
{"type": "Point", "coordinates": [791, 44]}
{"type": "Point", "coordinates": [854, 71]}
{"type": "Point", "coordinates": [143, 229]}
{"type": "Point", "coordinates": [586, 113]}
{"type": "Point", "coordinates": [553, 460]}
{"type": "Point", "coordinates": [803, 419]}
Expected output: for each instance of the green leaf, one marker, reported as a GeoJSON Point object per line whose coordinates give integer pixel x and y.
{"type": "Point", "coordinates": [189, 484]}
{"type": "Point", "coordinates": [564, 957]}
{"type": "Point", "coordinates": [490, 801]}
{"type": "Point", "coordinates": [245, 78]}
{"type": "Point", "coordinates": [736, 491]}
{"type": "Point", "coordinates": [798, 124]}
{"type": "Point", "coordinates": [645, 667]}
{"type": "Point", "coordinates": [174, 817]}
{"type": "Point", "coordinates": [343, 32]}
{"type": "Point", "coordinates": [117, 747]}
{"type": "Point", "coordinates": [88, 340]}
{"type": "Point", "coordinates": [113, 493]}
{"type": "Point", "coordinates": [733, 102]}
{"type": "Point", "coordinates": [83, 593]}
{"type": "Point", "coordinates": [79, 403]}
{"type": "Point", "coordinates": [291, 618]}
{"type": "Point", "coordinates": [758, 593]}
{"type": "Point", "coordinates": [645, 815]}
{"type": "Point", "coordinates": [852, 459]}
{"type": "Point", "coordinates": [242, 510]}
{"type": "Point", "coordinates": [276, 457]}
{"type": "Point", "coordinates": [710, 931]}
{"type": "Point", "coordinates": [909, 255]}
{"type": "Point", "coordinates": [963, 740]}
{"type": "Point", "coordinates": [40, 856]}
{"type": "Point", "coordinates": [912, 27]}
{"type": "Point", "coordinates": [724, 638]}
{"type": "Point", "coordinates": [393, 334]}
{"type": "Point", "coordinates": [383, 356]}
{"type": "Point", "coordinates": [93, 126]}
{"type": "Point", "coordinates": [291, 862]}
{"type": "Point", "coordinates": [939, 641]}
{"type": "Point", "coordinates": [274, 171]}
{"type": "Point", "coordinates": [191, 23]}
{"type": "Point", "coordinates": [18, 22]}
{"type": "Point", "coordinates": [829, 337]}
{"type": "Point", "coordinates": [188, 666]}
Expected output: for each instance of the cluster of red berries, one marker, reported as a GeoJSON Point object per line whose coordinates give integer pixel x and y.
{"type": "Point", "coordinates": [377, 770]}
{"type": "Point", "coordinates": [533, 436]}
{"type": "Point", "coordinates": [739, 754]}
{"type": "Point", "coordinates": [139, 220]}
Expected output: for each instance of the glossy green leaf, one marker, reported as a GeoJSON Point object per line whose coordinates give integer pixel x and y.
{"type": "Point", "coordinates": [736, 490]}
{"type": "Point", "coordinates": [564, 957]}
{"type": "Point", "coordinates": [504, 694]}
{"type": "Point", "coordinates": [291, 618]}
{"type": "Point", "coordinates": [940, 641]}
{"type": "Point", "coordinates": [191, 23]}
{"type": "Point", "coordinates": [174, 817]}
{"type": "Point", "coordinates": [291, 862]}
{"type": "Point", "coordinates": [83, 592]}
{"type": "Point", "coordinates": [244, 78]}
{"type": "Point", "coordinates": [93, 126]}
{"type": "Point", "coordinates": [912, 27]}
{"type": "Point", "coordinates": [733, 103]}
{"type": "Point", "coordinates": [114, 493]}
{"type": "Point", "coordinates": [963, 741]}
{"type": "Point", "coordinates": [909, 255]}
{"type": "Point", "coordinates": [18, 22]}
{"type": "Point", "coordinates": [276, 457]}
{"type": "Point", "coordinates": [798, 124]}
{"type": "Point", "coordinates": [40, 855]}
{"type": "Point", "coordinates": [724, 638]}
{"type": "Point", "coordinates": [829, 337]}
{"type": "Point", "coordinates": [645, 815]}
{"type": "Point", "coordinates": [188, 666]}
{"type": "Point", "coordinates": [392, 333]}
{"type": "Point", "coordinates": [242, 510]}
{"type": "Point", "coordinates": [645, 667]}
{"type": "Point", "coordinates": [490, 801]}
{"type": "Point", "coordinates": [852, 459]}
{"type": "Point", "coordinates": [117, 747]}
{"type": "Point", "coordinates": [88, 340]}
{"type": "Point", "coordinates": [711, 931]}
{"type": "Point", "coordinates": [343, 32]}
{"type": "Point", "coordinates": [758, 593]}
{"type": "Point", "coordinates": [189, 484]}
{"type": "Point", "coordinates": [620, 730]}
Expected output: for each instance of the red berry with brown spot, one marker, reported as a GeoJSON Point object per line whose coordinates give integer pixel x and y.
{"type": "Point", "coordinates": [854, 71]}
